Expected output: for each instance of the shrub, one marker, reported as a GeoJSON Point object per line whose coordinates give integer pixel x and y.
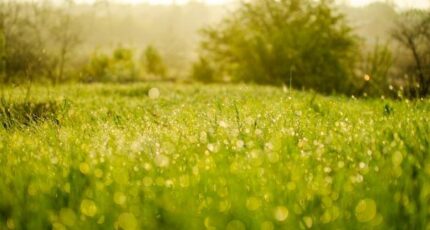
{"type": "Point", "coordinates": [120, 67]}
{"type": "Point", "coordinates": [203, 71]}
{"type": "Point", "coordinates": [153, 62]}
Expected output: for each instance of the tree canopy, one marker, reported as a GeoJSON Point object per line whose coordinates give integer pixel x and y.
{"type": "Point", "coordinates": [304, 42]}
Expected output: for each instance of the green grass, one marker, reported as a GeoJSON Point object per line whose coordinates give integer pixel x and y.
{"type": "Point", "coordinates": [212, 157]}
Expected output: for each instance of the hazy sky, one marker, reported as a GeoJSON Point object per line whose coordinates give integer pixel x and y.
{"type": "Point", "coordinates": [401, 3]}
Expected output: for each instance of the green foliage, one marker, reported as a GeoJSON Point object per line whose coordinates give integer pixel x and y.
{"type": "Point", "coordinates": [412, 32]}
{"type": "Point", "coordinates": [153, 62]}
{"type": "Point", "coordinates": [268, 41]}
{"type": "Point", "coordinates": [36, 41]}
{"type": "Point", "coordinates": [225, 157]}
{"type": "Point", "coordinates": [203, 71]}
{"type": "Point", "coordinates": [120, 67]}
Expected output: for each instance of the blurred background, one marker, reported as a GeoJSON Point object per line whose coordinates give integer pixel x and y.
{"type": "Point", "coordinates": [356, 47]}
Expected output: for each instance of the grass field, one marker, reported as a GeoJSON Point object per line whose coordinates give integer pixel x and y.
{"type": "Point", "coordinates": [211, 157]}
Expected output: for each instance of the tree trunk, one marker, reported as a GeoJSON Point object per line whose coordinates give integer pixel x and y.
{"type": "Point", "coordinates": [423, 90]}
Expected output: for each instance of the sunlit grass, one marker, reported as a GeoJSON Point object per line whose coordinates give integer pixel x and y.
{"type": "Point", "coordinates": [164, 156]}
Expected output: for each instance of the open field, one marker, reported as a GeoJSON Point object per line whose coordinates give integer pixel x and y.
{"type": "Point", "coordinates": [211, 157]}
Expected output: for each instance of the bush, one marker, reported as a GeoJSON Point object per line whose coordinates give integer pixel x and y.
{"type": "Point", "coordinates": [153, 63]}
{"type": "Point", "coordinates": [268, 41]}
{"type": "Point", "coordinates": [120, 67]}
{"type": "Point", "coordinates": [203, 71]}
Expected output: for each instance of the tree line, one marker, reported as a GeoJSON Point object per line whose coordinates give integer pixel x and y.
{"type": "Point", "coordinates": [310, 45]}
{"type": "Point", "coordinates": [303, 44]}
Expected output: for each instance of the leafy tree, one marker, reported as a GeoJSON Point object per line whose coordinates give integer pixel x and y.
{"type": "Point", "coordinates": [153, 62]}
{"type": "Point", "coordinates": [203, 71]}
{"type": "Point", "coordinates": [119, 67]}
{"type": "Point", "coordinates": [36, 40]}
{"type": "Point", "coordinates": [66, 37]}
{"type": "Point", "coordinates": [413, 33]}
{"type": "Point", "coordinates": [267, 41]}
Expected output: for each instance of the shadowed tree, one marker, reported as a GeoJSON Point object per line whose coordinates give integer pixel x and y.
{"type": "Point", "coordinates": [153, 62]}
{"type": "Point", "coordinates": [412, 31]}
{"type": "Point", "coordinates": [66, 37]}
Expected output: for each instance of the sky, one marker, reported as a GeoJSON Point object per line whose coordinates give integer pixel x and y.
{"type": "Point", "coordinates": [400, 3]}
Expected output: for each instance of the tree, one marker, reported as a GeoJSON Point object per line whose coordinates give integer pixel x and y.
{"type": "Point", "coordinates": [36, 40]}
{"type": "Point", "coordinates": [203, 71]}
{"type": "Point", "coordinates": [412, 31]}
{"type": "Point", "coordinates": [153, 62]}
{"type": "Point", "coordinates": [2, 48]}
{"type": "Point", "coordinates": [66, 37]}
{"type": "Point", "coordinates": [269, 42]}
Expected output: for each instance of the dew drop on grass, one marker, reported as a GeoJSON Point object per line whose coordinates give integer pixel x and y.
{"type": "Point", "coordinates": [162, 160]}
{"type": "Point", "coordinates": [267, 225]}
{"type": "Point", "coordinates": [120, 176]}
{"type": "Point", "coordinates": [84, 168]}
{"type": "Point", "coordinates": [67, 216]}
{"type": "Point", "coordinates": [32, 189]}
{"type": "Point", "coordinates": [98, 173]}
{"type": "Point", "coordinates": [258, 132]}
{"type": "Point", "coordinates": [147, 181]}
{"type": "Point", "coordinates": [253, 203]}
{"type": "Point", "coordinates": [66, 187]}
{"type": "Point", "coordinates": [223, 124]}
{"type": "Point", "coordinates": [208, 222]}
{"type": "Point", "coordinates": [397, 159]}
{"type": "Point", "coordinates": [211, 147]}
{"type": "Point", "coordinates": [127, 221]}
{"type": "Point", "coordinates": [281, 213]}
{"type": "Point", "coordinates": [307, 220]}
{"type": "Point", "coordinates": [154, 93]}
{"type": "Point", "coordinates": [184, 181]}
{"type": "Point", "coordinates": [235, 225]}
{"type": "Point", "coordinates": [224, 206]}
{"type": "Point", "coordinates": [273, 157]}
{"type": "Point", "coordinates": [58, 226]}
{"type": "Point", "coordinates": [326, 217]}
{"type": "Point", "coordinates": [160, 181]}
{"type": "Point", "coordinates": [119, 198]}
{"type": "Point", "coordinates": [240, 144]}
{"type": "Point", "coordinates": [147, 166]}
{"type": "Point", "coordinates": [101, 220]}
{"type": "Point", "coordinates": [365, 210]}
{"type": "Point", "coordinates": [203, 137]}
{"type": "Point", "coordinates": [10, 224]}
{"type": "Point", "coordinates": [427, 169]}
{"type": "Point", "coordinates": [88, 208]}
{"type": "Point", "coordinates": [169, 183]}
{"type": "Point", "coordinates": [291, 186]}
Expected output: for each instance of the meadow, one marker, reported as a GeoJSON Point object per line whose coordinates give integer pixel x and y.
{"type": "Point", "coordinates": [177, 156]}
